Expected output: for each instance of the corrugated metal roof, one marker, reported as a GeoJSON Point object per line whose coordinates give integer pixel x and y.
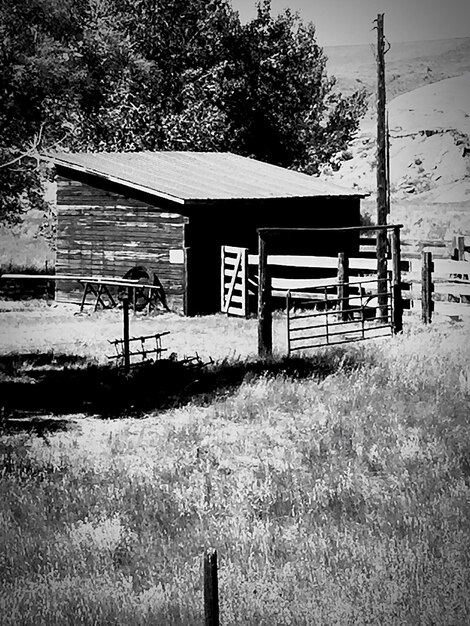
{"type": "Point", "coordinates": [187, 177]}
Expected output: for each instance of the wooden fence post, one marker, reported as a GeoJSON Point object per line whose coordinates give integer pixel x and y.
{"type": "Point", "coordinates": [265, 319]}
{"type": "Point", "coordinates": [459, 248]}
{"type": "Point", "coordinates": [343, 287]}
{"type": "Point", "coordinates": [125, 311]}
{"type": "Point", "coordinates": [382, 272]}
{"type": "Point", "coordinates": [426, 287]}
{"type": "Point", "coordinates": [396, 288]}
{"type": "Point", "coordinates": [288, 299]}
{"type": "Point", "coordinates": [211, 588]}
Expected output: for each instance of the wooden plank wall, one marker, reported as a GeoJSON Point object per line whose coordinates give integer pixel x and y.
{"type": "Point", "coordinates": [103, 233]}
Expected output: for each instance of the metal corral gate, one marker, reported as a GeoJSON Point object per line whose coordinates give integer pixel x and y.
{"type": "Point", "coordinates": [339, 312]}
{"type": "Point", "coordinates": [353, 307]}
{"type": "Point", "coordinates": [350, 298]}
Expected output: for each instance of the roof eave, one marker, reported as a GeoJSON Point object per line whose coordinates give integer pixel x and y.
{"type": "Point", "coordinates": [116, 180]}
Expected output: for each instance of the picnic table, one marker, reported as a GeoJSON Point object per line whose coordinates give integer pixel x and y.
{"type": "Point", "coordinates": [100, 289]}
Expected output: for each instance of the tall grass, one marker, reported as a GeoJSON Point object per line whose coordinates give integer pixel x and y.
{"type": "Point", "coordinates": [342, 499]}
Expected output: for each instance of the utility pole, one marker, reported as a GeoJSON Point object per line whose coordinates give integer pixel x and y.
{"type": "Point", "coordinates": [382, 173]}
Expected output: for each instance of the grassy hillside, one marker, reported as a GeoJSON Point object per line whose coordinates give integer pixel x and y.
{"type": "Point", "coordinates": [338, 495]}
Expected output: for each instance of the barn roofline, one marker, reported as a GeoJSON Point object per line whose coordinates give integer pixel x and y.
{"type": "Point", "coordinates": [297, 185]}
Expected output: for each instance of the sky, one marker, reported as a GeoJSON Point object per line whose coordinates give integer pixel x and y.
{"type": "Point", "coordinates": [349, 22]}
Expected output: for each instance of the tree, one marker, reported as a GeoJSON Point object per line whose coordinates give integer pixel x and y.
{"type": "Point", "coordinates": [162, 74]}
{"type": "Point", "coordinates": [37, 82]}
{"type": "Point", "coordinates": [269, 97]}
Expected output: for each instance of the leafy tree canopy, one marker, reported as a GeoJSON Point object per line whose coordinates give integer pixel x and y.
{"type": "Point", "coordinates": [131, 75]}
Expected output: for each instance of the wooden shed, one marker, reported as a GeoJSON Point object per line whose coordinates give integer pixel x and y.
{"type": "Point", "coordinates": [171, 212]}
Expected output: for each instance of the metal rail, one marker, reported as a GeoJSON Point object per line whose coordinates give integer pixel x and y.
{"type": "Point", "coordinates": [339, 324]}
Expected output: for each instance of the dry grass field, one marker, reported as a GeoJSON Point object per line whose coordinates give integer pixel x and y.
{"type": "Point", "coordinates": [335, 487]}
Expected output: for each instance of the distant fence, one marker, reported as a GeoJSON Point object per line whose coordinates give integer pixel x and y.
{"type": "Point", "coordinates": [456, 249]}
{"type": "Point", "coordinates": [442, 286]}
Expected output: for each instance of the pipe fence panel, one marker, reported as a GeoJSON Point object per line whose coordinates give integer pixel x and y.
{"type": "Point", "coordinates": [338, 313]}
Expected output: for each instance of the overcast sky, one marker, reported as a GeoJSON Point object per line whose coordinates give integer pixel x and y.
{"type": "Point", "coordinates": [349, 21]}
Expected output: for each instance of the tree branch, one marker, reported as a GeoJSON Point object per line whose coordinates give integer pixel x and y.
{"type": "Point", "coordinates": [31, 152]}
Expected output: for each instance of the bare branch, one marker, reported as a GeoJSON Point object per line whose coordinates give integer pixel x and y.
{"type": "Point", "coordinates": [31, 152]}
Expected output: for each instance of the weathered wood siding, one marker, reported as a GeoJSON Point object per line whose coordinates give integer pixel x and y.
{"type": "Point", "coordinates": [105, 228]}
{"type": "Point", "coordinates": [104, 233]}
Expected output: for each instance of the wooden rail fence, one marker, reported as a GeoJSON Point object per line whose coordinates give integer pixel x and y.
{"type": "Point", "coordinates": [240, 275]}
{"type": "Point", "coordinates": [267, 238]}
{"type": "Point", "coordinates": [445, 282]}
{"type": "Point", "coordinates": [440, 285]}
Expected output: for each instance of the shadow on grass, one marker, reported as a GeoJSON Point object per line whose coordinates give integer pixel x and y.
{"type": "Point", "coordinates": [59, 384]}
{"type": "Point", "coordinates": [40, 426]}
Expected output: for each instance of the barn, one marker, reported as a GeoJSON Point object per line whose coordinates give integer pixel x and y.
{"type": "Point", "coordinates": [171, 212]}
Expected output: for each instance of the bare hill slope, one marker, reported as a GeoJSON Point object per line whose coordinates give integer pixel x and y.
{"type": "Point", "coordinates": [429, 124]}
{"type": "Point", "coordinates": [408, 65]}
{"type": "Point", "coordinates": [429, 144]}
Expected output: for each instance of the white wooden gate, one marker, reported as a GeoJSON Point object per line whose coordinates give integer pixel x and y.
{"type": "Point", "coordinates": [234, 281]}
